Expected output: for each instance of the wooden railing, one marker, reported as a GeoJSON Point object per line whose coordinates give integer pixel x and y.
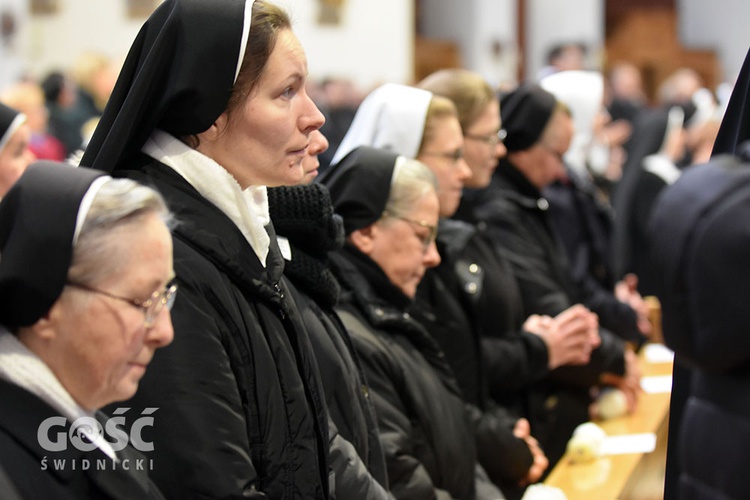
{"type": "Point", "coordinates": [624, 476]}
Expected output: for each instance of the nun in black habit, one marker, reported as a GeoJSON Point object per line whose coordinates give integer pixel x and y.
{"type": "Point", "coordinates": [698, 235]}
{"type": "Point", "coordinates": [70, 342]}
{"type": "Point", "coordinates": [211, 108]}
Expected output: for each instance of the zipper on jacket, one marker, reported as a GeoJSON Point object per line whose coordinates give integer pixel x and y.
{"type": "Point", "coordinates": [282, 296]}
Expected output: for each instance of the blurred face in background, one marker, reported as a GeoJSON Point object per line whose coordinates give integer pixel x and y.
{"type": "Point", "coordinates": [482, 146]}
{"type": "Point", "coordinates": [310, 164]}
{"type": "Point", "coordinates": [444, 155]}
{"type": "Point", "coordinates": [14, 158]}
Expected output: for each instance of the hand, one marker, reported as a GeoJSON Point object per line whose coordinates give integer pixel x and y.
{"type": "Point", "coordinates": [538, 466]}
{"type": "Point", "coordinates": [630, 383]}
{"type": "Point", "coordinates": [570, 336]}
{"type": "Point", "coordinates": [626, 291]}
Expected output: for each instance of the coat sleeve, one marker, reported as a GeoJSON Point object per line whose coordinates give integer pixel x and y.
{"type": "Point", "coordinates": [513, 362]}
{"type": "Point", "coordinates": [407, 476]}
{"type": "Point", "coordinates": [541, 292]}
{"type": "Point", "coordinates": [505, 458]}
{"type": "Point", "coordinates": [200, 435]}
{"type": "Point", "coordinates": [353, 480]}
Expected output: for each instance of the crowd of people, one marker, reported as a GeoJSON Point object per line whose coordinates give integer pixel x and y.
{"type": "Point", "coordinates": [418, 293]}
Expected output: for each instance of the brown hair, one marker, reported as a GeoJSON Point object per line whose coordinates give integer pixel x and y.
{"type": "Point", "coordinates": [440, 107]}
{"type": "Point", "coordinates": [468, 90]}
{"type": "Point", "coordinates": [268, 19]}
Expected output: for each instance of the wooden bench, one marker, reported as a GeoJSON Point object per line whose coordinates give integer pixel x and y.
{"type": "Point", "coordinates": [624, 476]}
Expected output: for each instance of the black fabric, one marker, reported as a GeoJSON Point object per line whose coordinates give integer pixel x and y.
{"type": "Point", "coordinates": [39, 473]}
{"type": "Point", "coordinates": [424, 427]}
{"type": "Point", "coordinates": [7, 115]}
{"type": "Point", "coordinates": [735, 124]}
{"type": "Point", "coordinates": [525, 112]}
{"type": "Point", "coordinates": [304, 215]}
{"type": "Point", "coordinates": [584, 221]}
{"type": "Point", "coordinates": [515, 218]}
{"type": "Point", "coordinates": [37, 224]}
{"type": "Point", "coordinates": [451, 303]}
{"type": "Point", "coordinates": [362, 202]}
{"type": "Point", "coordinates": [177, 77]}
{"type": "Point", "coordinates": [241, 408]}
{"type": "Point", "coordinates": [699, 239]}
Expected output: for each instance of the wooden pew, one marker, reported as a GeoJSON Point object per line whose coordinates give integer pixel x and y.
{"type": "Point", "coordinates": [624, 476]}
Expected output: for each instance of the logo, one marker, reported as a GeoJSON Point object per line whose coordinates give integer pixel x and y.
{"type": "Point", "coordinates": [54, 435]}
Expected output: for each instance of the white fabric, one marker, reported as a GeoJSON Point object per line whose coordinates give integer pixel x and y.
{"type": "Point", "coordinates": [391, 117]}
{"type": "Point", "coordinates": [246, 21]}
{"type": "Point", "coordinates": [86, 201]}
{"type": "Point", "coordinates": [20, 366]}
{"type": "Point", "coordinates": [248, 209]}
{"type": "Point", "coordinates": [583, 93]}
{"type": "Point", "coordinates": [662, 167]}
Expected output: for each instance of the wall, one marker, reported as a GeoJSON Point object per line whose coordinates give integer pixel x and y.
{"type": "Point", "coordinates": [373, 44]}
{"type": "Point", "coordinates": [551, 21]}
{"type": "Point", "coordinates": [485, 31]}
{"type": "Point", "coordinates": [720, 25]}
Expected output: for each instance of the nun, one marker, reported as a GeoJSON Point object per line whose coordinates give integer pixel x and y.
{"type": "Point", "coordinates": [86, 283]}
{"type": "Point", "coordinates": [15, 154]}
{"type": "Point", "coordinates": [211, 108]}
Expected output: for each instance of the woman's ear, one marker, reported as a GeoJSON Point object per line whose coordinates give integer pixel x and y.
{"type": "Point", "coordinates": [364, 239]}
{"type": "Point", "coordinates": [214, 131]}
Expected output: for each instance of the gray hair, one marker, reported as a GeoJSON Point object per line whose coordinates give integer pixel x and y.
{"type": "Point", "coordinates": [118, 203]}
{"type": "Point", "coordinates": [411, 180]}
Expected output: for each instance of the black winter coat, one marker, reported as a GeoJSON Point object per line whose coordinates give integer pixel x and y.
{"type": "Point", "coordinates": [241, 413]}
{"type": "Point", "coordinates": [304, 220]}
{"type": "Point", "coordinates": [424, 424]}
{"type": "Point", "coordinates": [69, 474]}
{"type": "Point", "coordinates": [452, 301]}
{"type": "Point", "coordinates": [584, 224]}
{"type": "Point", "coordinates": [514, 216]}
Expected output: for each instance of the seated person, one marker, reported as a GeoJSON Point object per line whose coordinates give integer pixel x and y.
{"type": "Point", "coordinates": [390, 209]}
{"type": "Point", "coordinates": [85, 283]}
{"type": "Point", "coordinates": [516, 218]}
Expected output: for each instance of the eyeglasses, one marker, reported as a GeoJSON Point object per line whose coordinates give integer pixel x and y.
{"type": "Point", "coordinates": [426, 239]}
{"type": "Point", "coordinates": [150, 307]}
{"type": "Point", "coordinates": [454, 156]}
{"type": "Point", "coordinates": [491, 139]}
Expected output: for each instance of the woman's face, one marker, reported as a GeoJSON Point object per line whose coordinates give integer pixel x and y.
{"type": "Point", "coordinates": [14, 158]}
{"type": "Point", "coordinates": [264, 141]}
{"type": "Point", "coordinates": [443, 153]}
{"type": "Point", "coordinates": [310, 164]}
{"type": "Point", "coordinates": [398, 244]}
{"type": "Point", "coordinates": [98, 346]}
{"type": "Point", "coordinates": [482, 149]}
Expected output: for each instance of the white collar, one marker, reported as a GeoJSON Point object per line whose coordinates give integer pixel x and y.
{"type": "Point", "coordinates": [20, 366]}
{"type": "Point", "coordinates": [248, 208]}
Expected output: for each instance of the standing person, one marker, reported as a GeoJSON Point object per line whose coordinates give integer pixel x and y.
{"type": "Point", "coordinates": [516, 218]}
{"type": "Point", "coordinates": [390, 209]}
{"type": "Point", "coordinates": [308, 230]}
{"type": "Point", "coordinates": [699, 257]}
{"type": "Point", "coordinates": [86, 284]}
{"type": "Point", "coordinates": [211, 108]}
{"type": "Point", "coordinates": [15, 155]}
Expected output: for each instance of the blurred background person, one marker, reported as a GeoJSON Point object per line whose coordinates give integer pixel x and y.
{"type": "Point", "coordinates": [28, 98]}
{"type": "Point", "coordinates": [15, 154]}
